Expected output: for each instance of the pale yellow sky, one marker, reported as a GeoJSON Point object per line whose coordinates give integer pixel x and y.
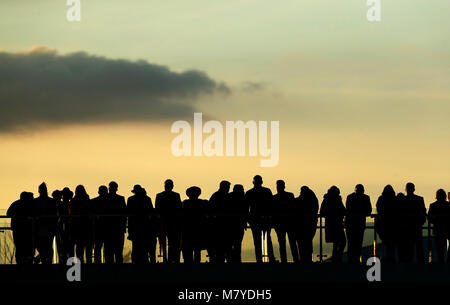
{"type": "Point", "coordinates": [140, 153]}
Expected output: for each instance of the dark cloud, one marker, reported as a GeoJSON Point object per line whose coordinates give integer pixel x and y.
{"type": "Point", "coordinates": [41, 87]}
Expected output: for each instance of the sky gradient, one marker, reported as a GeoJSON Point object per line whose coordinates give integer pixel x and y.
{"type": "Point", "coordinates": [358, 102]}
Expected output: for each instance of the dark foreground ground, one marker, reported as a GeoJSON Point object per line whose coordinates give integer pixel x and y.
{"type": "Point", "coordinates": [176, 283]}
{"type": "Point", "coordinates": [224, 273]}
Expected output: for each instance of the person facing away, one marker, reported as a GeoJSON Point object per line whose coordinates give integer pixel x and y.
{"type": "Point", "coordinates": [304, 222]}
{"type": "Point", "coordinates": [387, 222]}
{"type": "Point", "coordinates": [217, 224]}
{"type": "Point", "coordinates": [82, 225]}
{"type": "Point", "coordinates": [99, 207]}
{"type": "Point", "coordinates": [283, 204]}
{"type": "Point", "coordinates": [260, 202]}
{"type": "Point", "coordinates": [415, 211]}
{"type": "Point", "coordinates": [141, 230]}
{"type": "Point", "coordinates": [64, 238]}
{"type": "Point", "coordinates": [439, 216]}
{"type": "Point", "coordinates": [168, 207]}
{"type": "Point", "coordinates": [20, 211]}
{"type": "Point", "coordinates": [115, 225]}
{"type": "Point", "coordinates": [358, 208]}
{"type": "Point", "coordinates": [45, 224]}
{"type": "Point", "coordinates": [57, 196]}
{"type": "Point", "coordinates": [333, 210]}
{"type": "Point", "coordinates": [194, 224]}
{"type": "Point", "coordinates": [237, 224]}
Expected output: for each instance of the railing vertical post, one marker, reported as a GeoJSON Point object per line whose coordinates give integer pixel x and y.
{"type": "Point", "coordinates": [320, 242]}
{"type": "Point", "coordinates": [374, 237]}
{"type": "Point", "coordinates": [94, 238]}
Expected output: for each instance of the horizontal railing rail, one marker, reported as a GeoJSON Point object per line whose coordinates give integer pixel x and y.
{"type": "Point", "coordinates": [247, 218]}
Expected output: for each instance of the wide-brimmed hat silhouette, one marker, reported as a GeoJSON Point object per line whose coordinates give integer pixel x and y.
{"type": "Point", "coordinates": [193, 191]}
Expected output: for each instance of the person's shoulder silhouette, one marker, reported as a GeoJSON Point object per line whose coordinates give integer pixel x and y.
{"type": "Point", "coordinates": [168, 202]}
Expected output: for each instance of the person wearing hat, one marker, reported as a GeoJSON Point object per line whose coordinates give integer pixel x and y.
{"type": "Point", "coordinates": [140, 231]}
{"type": "Point", "coordinates": [194, 221]}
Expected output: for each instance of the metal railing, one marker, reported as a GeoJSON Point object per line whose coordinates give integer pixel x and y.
{"type": "Point", "coordinates": [7, 249]}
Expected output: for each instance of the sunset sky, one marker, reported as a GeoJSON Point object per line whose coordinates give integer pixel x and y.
{"type": "Point", "coordinates": [93, 101]}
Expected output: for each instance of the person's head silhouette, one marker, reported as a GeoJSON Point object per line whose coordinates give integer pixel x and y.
{"type": "Point", "coordinates": [304, 190]}
{"type": "Point", "coordinates": [334, 191]}
{"type": "Point", "coordinates": [137, 190]}
{"type": "Point", "coordinates": [168, 185]}
{"type": "Point", "coordinates": [388, 190]}
{"type": "Point", "coordinates": [359, 189]}
{"type": "Point", "coordinates": [238, 189]}
{"type": "Point", "coordinates": [80, 191]}
{"type": "Point", "coordinates": [67, 194]}
{"type": "Point", "coordinates": [440, 195]}
{"type": "Point", "coordinates": [43, 190]}
{"type": "Point", "coordinates": [113, 187]}
{"type": "Point", "coordinates": [224, 186]}
{"type": "Point", "coordinates": [257, 181]}
{"type": "Point", "coordinates": [280, 186]}
{"type": "Point", "coordinates": [102, 191]}
{"type": "Point", "coordinates": [410, 188]}
{"type": "Point", "coordinates": [23, 195]}
{"type": "Point", "coordinates": [57, 195]}
{"type": "Point", "coordinates": [29, 196]}
{"type": "Point", "coordinates": [193, 192]}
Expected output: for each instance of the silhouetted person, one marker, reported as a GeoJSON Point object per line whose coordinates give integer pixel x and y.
{"type": "Point", "coordinates": [194, 222]}
{"type": "Point", "coordinates": [405, 231]}
{"type": "Point", "coordinates": [358, 208]}
{"type": "Point", "coordinates": [304, 222]}
{"type": "Point", "coordinates": [45, 224]}
{"type": "Point", "coordinates": [115, 226]}
{"type": "Point", "coordinates": [333, 210]}
{"type": "Point", "coordinates": [237, 224]}
{"type": "Point", "coordinates": [217, 235]}
{"type": "Point", "coordinates": [140, 229]}
{"type": "Point", "coordinates": [21, 226]}
{"type": "Point", "coordinates": [387, 221]}
{"type": "Point", "coordinates": [99, 207]}
{"type": "Point", "coordinates": [64, 238]}
{"type": "Point", "coordinates": [57, 196]}
{"type": "Point", "coordinates": [82, 225]}
{"type": "Point", "coordinates": [415, 210]}
{"type": "Point", "coordinates": [283, 205]}
{"type": "Point", "coordinates": [439, 216]}
{"type": "Point", "coordinates": [260, 201]}
{"type": "Point", "coordinates": [168, 206]}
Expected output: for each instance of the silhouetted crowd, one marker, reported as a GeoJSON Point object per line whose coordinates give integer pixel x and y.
{"type": "Point", "coordinates": [94, 230]}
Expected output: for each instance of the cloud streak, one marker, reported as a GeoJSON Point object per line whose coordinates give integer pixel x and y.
{"type": "Point", "coordinates": [41, 87]}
